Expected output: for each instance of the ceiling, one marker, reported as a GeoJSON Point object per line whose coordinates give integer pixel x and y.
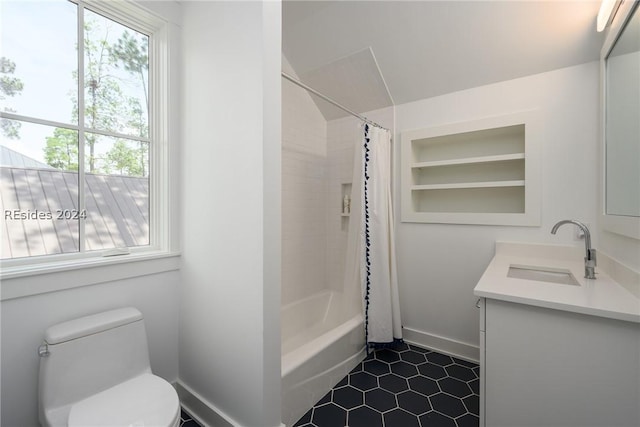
{"type": "Point", "coordinates": [422, 49]}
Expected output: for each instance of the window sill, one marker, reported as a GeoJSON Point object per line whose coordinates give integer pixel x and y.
{"type": "Point", "coordinates": [23, 281]}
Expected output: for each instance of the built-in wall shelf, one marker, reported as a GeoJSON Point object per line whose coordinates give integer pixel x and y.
{"type": "Point", "coordinates": [490, 184]}
{"type": "Point", "coordinates": [467, 161]}
{"type": "Point", "coordinates": [478, 172]}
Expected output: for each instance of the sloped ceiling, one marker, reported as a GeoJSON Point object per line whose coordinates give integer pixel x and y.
{"type": "Point", "coordinates": [354, 80]}
{"type": "Point", "coordinates": [429, 48]}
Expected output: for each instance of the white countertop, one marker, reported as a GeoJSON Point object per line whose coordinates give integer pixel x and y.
{"type": "Point", "coordinates": [598, 297]}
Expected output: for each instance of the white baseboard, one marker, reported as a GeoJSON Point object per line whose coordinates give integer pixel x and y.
{"type": "Point", "coordinates": [445, 345]}
{"type": "Point", "coordinates": [203, 412]}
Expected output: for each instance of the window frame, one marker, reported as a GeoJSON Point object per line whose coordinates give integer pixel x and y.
{"type": "Point", "coordinates": [161, 242]}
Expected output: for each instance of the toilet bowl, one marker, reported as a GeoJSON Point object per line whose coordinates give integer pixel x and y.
{"type": "Point", "coordinates": [95, 371]}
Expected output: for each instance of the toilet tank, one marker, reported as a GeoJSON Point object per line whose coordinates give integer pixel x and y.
{"type": "Point", "coordinates": [84, 356]}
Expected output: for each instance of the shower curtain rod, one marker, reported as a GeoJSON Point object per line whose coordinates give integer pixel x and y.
{"type": "Point", "coordinates": [329, 100]}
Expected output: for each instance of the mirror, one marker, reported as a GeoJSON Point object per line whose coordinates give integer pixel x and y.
{"type": "Point", "coordinates": [622, 121]}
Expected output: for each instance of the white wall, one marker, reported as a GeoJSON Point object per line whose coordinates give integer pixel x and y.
{"type": "Point", "coordinates": [304, 193]}
{"type": "Point", "coordinates": [25, 319]}
{"type": "Point", "coordinates": [439, 265]}
{"type": "Point", "coordinates": [230, 293]}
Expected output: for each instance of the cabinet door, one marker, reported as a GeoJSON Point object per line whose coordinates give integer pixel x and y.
{"type": "Point", "coordinates": [482, 378]}
{"type": "Point", "coordinates": [549, 368]}
{"type": "Point", "coordinates": [482, 308]}
{"type": "Point", "coordinates": [481, 305]}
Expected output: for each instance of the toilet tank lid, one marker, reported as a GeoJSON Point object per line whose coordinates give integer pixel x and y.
{"type": "Point", "coordinates": [90, 325]}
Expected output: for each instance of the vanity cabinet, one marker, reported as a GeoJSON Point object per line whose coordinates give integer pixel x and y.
{"type": "Point", "coordinates": [546, 367]}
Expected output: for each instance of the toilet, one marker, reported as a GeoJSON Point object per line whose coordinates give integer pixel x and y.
{"type": "Point", "coordinates": [95, 371]}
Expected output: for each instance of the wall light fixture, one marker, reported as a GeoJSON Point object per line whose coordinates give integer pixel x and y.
{"type": "Point", "coordinates": [605, 14]}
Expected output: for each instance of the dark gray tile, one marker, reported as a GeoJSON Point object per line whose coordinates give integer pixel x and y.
{"type": "Point", "coordinates": [364, 417]}
{"type": "Point", "coordinates": [454, 387]}
{"type": "Point", "coordinates": [468, 420]}
{"type": "Point", "coordinates": [464, 362]}
{"type": "Point", "coordinates": [404, 369]}
{"type": "Point", "coordinates": [379, 399]}
{"type": "Point", "coordinates": [325, 399]}
{"type": "Point", "coordinates": [401, 347]}
{"type": "Point", "coordinates": [424, 385]}
{"type": "Point", "coordinates": [393, 383]}
{"type": "Point", "coordinates": [187, 420]}
{"type": "Point", "coordinates": [376, 367]}
{"type": "Point", "coordinates": [398, 417]}
{"type": "Point", "coordinates": [413, 357]}
{"type": "Point", "coordinates": [329, 415]}
{"type": "Point", "coordinates": [363, 381]}
{"type": "Point", "coordinates": [413, 402]}
{"type": "Point", "coordinates": [387, 355]}
{"type": "Point", "coordinates": [434, 419]}
{"type": "Point", "coordinates": [432, 371]}
{"type": "Point", "coordinates": [439, 359]}
{"type": "Point", "coordinates": [460, 372]}
{"type": "Point", "coordinates": [472, 403]}
{"type": "Point", "coordinates": [343, 382]}
{"type": "Point", "coordinates": [475, 386]}
{"type": "Point", "coordinates": [348, 397]}
{"type": "Point", "coordinates": [447, 405]}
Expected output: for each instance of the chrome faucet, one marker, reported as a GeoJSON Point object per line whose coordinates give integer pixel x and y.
{"type": "Point", "coordinates": [590, 258]}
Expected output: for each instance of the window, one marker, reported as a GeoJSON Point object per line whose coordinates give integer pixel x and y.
{"type": "Point", "coordinates": [83, 148]}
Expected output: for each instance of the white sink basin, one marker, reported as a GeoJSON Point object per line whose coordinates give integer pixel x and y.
{"type": "Point", "coordinates": [542, 274]}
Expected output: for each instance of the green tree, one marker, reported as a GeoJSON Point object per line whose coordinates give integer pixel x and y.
{"type": "Point", "coordinates": [122, 158]}
{"type": "Point", "coordinates": [132, 53]}
{"type": "Point", "coordinates": [107, 107]}
{"type": "Point", "coordinates": [138, 123]}
{"type": "Point", "coordinates": [61, 151]}
{"type": "Point", "coordinates": [9, 86]}
{"type": "Point", "coordinates": [104, 105]}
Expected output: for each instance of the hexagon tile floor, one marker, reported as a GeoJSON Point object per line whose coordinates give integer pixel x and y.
{"type": "Point", "coordinates": [186, 420]}
{"type": "Point", "coordinates": [407, 387]}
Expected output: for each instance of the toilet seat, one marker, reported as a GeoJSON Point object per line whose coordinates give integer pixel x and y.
{"type": "Point", "coordinates": [146, 400]}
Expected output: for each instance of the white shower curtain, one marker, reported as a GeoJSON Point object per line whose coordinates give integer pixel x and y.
{"type": "Point", "coordinates": [371, 258]}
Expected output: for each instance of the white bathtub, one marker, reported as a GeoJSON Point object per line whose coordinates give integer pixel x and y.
{"type": "Point", "coordinates": [321, 343]}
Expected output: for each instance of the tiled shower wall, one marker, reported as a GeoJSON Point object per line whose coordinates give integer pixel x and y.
{"type": "Point", "coordinates": [304, 195]}
{"type": "Point", "coordinates": [317, 159]}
